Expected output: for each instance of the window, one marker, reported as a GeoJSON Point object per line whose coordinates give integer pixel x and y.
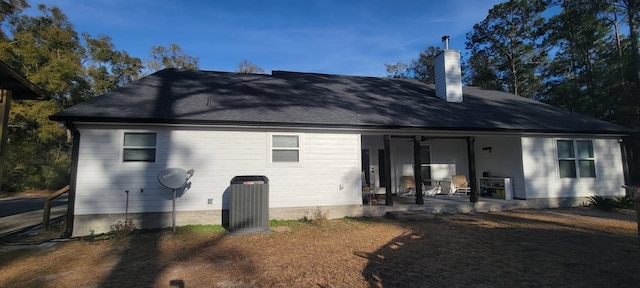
{"type": "Point", "coordinates": [575, 159]}
{"type": "Point", "coordinates": [285, 148]}
{"type": "Point", "coordinates": [139, 147]}
{"type": "Point", "coordinates": [425, 164]}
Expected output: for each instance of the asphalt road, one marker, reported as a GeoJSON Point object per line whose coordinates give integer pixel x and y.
{"type": "Point", "coordinates": [15, 206]}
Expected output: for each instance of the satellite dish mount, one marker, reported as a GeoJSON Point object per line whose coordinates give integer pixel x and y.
{"type": "Point", "coordinates": [174, 179]}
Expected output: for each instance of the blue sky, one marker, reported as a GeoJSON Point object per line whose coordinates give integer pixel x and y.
{"type": "Point", "coordinates": [324, 36]}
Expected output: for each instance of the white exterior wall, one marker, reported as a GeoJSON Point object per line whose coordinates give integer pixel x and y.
{"type": "Point", "coordinates": [501, 157]}
{"type": "Point", "coordinates": [328, 173]}
{"type": "Point", "coordinates": [448, 155]}
{"type": "Point", "coordinates": [540, 166]}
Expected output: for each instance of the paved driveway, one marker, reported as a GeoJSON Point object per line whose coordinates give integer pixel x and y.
{"type": "Point", "coordinates": [18, 213]}
{"type": "Point", "coordinates": [13, 206]}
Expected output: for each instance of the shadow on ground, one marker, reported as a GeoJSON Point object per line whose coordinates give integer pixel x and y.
{"type": "Point", "coordinates": [480, 251]}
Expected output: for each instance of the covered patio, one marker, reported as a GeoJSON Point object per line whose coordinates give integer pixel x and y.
{"type": "Point", "coordinates": [430, 161]}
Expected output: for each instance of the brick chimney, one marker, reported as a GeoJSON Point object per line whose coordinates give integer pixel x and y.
{"type": "Point", "coordinates": [448, 74]}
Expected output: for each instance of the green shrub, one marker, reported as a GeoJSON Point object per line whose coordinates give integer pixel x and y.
{"type": "Point", "coordinates": [624, 202]}
{"type": "Point", "coordinates": [601, 203]}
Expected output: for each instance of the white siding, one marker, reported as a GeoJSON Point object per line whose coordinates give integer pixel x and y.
{"type": "Point", "coordinates": [540, 165]}
{"type": "Point", "coordinates": [327, 175]}
{"type": "Point", "coordinates": [448, 76]}
{"type": "Point", "coordinates": [501, 157]}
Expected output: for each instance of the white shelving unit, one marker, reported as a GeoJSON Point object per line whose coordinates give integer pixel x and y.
{"type": "Point", "coordinates": [499, 187]}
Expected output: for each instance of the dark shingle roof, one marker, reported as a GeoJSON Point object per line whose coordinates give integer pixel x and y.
{"type": "Point", "coordinates": [20, 87]}
{"type": "Point", "coordinates": [321, 100]}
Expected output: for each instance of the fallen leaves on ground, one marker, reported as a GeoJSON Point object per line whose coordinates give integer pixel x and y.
{"type": "Point", "coordinates": [577, 247]}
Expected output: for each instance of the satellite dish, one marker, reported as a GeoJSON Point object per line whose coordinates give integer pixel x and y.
{"type": "Point", "coordinates": [173, 178]}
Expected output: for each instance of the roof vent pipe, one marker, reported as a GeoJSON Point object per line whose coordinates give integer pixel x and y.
{"type": "Point", "coordinates": [445, 42]}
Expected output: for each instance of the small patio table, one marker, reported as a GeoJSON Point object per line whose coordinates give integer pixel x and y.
{"type": "Point", "coordinates": [368, 196]}
{"type": "Point", "coordinates": [438, 189]}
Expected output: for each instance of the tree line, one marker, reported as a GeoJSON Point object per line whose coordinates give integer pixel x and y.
{"type": "Point", "coordinates": [581, 55]}
{"type": "Point", "coordinates": [69, 67]}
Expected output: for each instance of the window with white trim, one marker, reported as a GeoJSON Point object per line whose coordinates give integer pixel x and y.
{"type": "Point", "coordinates": [576, 159]}
{"type": "Point", "coordinates": [139, 147]}
{"type": "Point", "coordinates": [285, 148]}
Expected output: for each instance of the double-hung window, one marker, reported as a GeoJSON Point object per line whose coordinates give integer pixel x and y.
{"type": "Point", "coordinates": [139, 147]}
{"type": "Point", "coordinates": [285, 148]}
{"type": "Point", "coordinates": [576, 159]}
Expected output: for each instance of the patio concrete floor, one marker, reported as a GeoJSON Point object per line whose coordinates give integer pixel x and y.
{"type": "Point", "coordinates": [455, 205]}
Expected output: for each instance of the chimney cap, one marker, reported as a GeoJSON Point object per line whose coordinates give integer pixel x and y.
{"type": "Point", "coordinates": [445, 42]}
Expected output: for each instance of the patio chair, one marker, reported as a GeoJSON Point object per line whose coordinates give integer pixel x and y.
{"type": "Point", "coordinates": [408, 186]}
{"type": "Point", "coordinates": [459, 185]}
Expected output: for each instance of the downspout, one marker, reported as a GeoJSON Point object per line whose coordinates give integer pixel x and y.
{"type": "Point", "coordinates": [68, 231]}
{"type": "Point", "coordinates": [625, 163]}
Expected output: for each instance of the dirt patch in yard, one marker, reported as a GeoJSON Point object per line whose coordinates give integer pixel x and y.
{"type": "Point", "coordinates": [577, 247]}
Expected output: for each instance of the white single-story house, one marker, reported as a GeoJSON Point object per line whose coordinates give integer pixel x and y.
{"type": "Point", "coordinates": [318, 137]}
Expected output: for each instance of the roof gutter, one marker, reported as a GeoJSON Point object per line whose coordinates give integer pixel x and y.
{"type": "Point", "coordinates": [22, 88]}
{"type": "Point", "coordinates": [75, 133]}
{"type": "Point", "coordinates": [324, 126]}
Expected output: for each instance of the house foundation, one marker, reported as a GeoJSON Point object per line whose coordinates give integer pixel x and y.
{"type": "Point", "coordinates": [101, 223]}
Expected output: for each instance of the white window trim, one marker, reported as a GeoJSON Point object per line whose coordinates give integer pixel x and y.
{"type": "Point", "coordinates": [271, 148]}
{"type": "Point", "coordinates": [575, 159]}
{"type": "Point", "coordinates": [122, 147]}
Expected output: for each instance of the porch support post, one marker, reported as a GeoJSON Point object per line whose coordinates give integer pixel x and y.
{"type": "Point", "coordinates": [472, 169]}
{"type": "Point", "coordinates": [417, 169]}
{"type": "Point", "coordinates": [71, 202]}
{"type": "Point", "coordinates": [5, 106]}
{"type": "Point", "coordinates": [387, 169]}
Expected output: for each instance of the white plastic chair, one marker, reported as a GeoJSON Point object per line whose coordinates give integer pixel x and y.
{"type": "Point", "coordinates": [408, 186]}
{"type": "Point", "coordinates": [459, 185]}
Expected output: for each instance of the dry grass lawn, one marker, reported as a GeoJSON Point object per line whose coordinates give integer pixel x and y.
{"type": "Point", "coordinates": [577, 247]}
